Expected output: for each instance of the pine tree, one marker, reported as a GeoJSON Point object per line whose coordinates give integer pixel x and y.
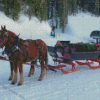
{"type": "Point", "coordinates": [43, 10]}
{"type": "Point", "coordinates": [15, 8]}
{"type": "Point", "coordinates": [62, 14]}
{"type": "Point", "coordinates": [37, 8]}
{"type": "Point", "coordinates": [1, 5]}
{"type": "Point", "coordinates": [6, 9]}
{"type": "Point", "coordinates": [97, 6]}
{"type": "Point", "coordinates": [93, 6]}
{"type": "Point", "coordinates": [12, 8]}
{"type": "Point", "coordinates": [56, 10]}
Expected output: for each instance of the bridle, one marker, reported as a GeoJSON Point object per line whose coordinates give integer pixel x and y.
{"type": "Point", "coordinates": [14, 47]}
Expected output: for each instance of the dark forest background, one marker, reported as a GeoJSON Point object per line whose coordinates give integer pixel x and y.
{"type": "Point", "coordinates": [55, 10]}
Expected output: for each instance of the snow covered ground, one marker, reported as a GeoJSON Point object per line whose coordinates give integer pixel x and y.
{"type": "Point", "coordinates": [80, 85]}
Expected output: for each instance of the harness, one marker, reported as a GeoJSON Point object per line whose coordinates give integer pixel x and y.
{"type": "Point", "coordinates": [16, 47]}
{"type": "Point", "coordinates": [40, 49]}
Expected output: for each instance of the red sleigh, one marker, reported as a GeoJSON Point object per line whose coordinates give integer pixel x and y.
{"type": "Point", "coordinates": [65, 53]}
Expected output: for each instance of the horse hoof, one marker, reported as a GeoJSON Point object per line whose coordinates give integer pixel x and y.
{"type": "Point", "coordinates": [9, 79]}
{"type": "Point", "coordinates": [19, 84]}
{"type": "Point", "coordinates": [12, 83]}
{"type": "Point", "coordinates": [39, 79]}
{"type": "Point", "coordinates": [32, 73]}
{"type": "Point", "coordinates": [29, 75]}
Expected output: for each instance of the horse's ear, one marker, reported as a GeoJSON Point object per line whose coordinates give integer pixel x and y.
{"type": "Point", "coordinates": [2, 27]}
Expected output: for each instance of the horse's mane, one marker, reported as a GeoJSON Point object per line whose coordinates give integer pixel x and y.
{"type": "Point", "coordinates": [13, 35]}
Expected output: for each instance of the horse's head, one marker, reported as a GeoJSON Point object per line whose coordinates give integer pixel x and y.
{"type": "Point", "coordinates": [7, 37]}
{"type": "Point", "coordinates": [3, 36]}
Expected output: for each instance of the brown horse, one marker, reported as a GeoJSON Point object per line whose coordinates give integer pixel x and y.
{"type": "Point", "coordinates": [20, 51]}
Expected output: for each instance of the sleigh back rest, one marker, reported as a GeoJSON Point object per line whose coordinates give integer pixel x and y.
{"type": "Point", "coordinates": [62, 43]}
{"type": "Point", "coordinates": [59, 54]}
{"type": "Point", "coordinates": [51, 51]}
{"type": "Point", "coordinates": [55, 52]}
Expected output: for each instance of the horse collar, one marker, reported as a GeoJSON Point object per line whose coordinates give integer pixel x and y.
{"type": "Point", "coordinates": [15, 47]}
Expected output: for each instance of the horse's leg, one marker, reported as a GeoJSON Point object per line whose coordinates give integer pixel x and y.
{"type": "Point", "coordinates": [32, 69]}
{"type": "Point", "coordinates": [42, 70]}
{"type": "Point", "coordinates": [30, 72]}
{"type": "Point", "coordinates": [20, 65]}
{"type": "Point", "coordinates": [14, 80]}
{"type": "Point", "coordinates": [11, 71]}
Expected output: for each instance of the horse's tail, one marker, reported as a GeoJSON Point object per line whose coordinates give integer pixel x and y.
{"type": "Point", "coordinates": [46, 61]}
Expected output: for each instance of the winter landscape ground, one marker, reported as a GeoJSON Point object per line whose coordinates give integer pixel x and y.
{"type": "Point", "coordinates": [80, 85]}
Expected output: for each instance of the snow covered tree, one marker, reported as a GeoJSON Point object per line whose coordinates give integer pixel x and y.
{"type": "Point", "coordinates": [72, 6]}
{"type": "Point", "coordinates": [15, 7]}
{"type": "Point", "coordinates": [97, 7]}
{"type": "Point", "coordinates": [93, 6]}
{"type": "Point", "coordinates": [55, 10]}
{"type": "Point", "coordinates": [36, 8]}
{"type": "Point", "coordinates": [62, 13]}
{"type": "Point", "coordinates": [12, 8]}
